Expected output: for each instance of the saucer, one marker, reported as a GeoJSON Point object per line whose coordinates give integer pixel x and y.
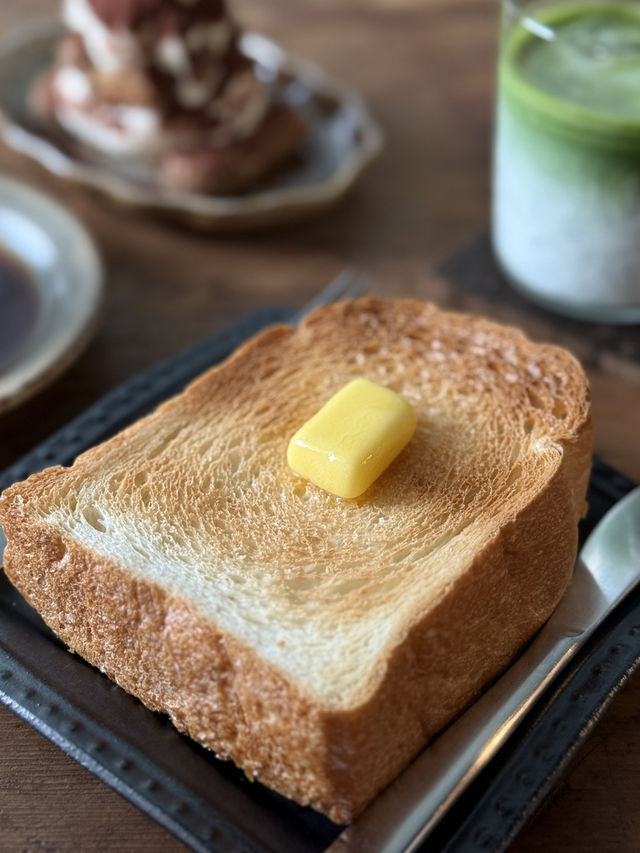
{"type": "Point", "coordinates": [51, 291]}
{"type": "Point", "coordinates": [343, 140]}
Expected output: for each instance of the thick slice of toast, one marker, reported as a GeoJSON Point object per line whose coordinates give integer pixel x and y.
{"type": "Point", "coordinates": [318, 642]}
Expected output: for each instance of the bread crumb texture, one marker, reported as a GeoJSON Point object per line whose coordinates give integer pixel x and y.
{"type": "Point", "coordinates": [319, 642]}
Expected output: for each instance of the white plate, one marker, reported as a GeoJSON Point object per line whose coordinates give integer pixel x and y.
{"type": "Point", "coordinates": [343, 139]}
{"type": "Point", "coordinates": [64, 269]}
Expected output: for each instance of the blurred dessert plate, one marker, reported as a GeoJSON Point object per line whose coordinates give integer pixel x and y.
{"type": "Point", "coordinates": [50, 291]}
{"type": "Point", "coordinates": [343, 140]}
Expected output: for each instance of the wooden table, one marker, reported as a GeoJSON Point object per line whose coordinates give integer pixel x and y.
{"type": "Point", "coordinates": [426, 68]}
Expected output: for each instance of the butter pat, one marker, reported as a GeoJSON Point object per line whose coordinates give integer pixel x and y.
{"type": "Point", "coordinates": [352, 439]}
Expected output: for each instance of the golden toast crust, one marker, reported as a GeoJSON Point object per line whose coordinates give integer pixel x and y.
{"type": "Point", "coordinates": [497, 550]}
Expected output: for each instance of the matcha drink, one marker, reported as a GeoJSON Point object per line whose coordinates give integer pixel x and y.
{"type": "Point", "coordinates": [566, 207]}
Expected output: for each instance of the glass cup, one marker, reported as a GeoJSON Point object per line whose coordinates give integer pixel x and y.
{"type": "Point", "coordinates": [566, 171]}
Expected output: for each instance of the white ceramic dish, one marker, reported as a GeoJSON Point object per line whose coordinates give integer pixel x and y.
{"type": "Point", "coordinates": [65, 274]}
{"type": "Point", "coordinates": [343, 140]}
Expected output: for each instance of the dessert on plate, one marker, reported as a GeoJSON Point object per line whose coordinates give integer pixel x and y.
{"type": "Point", "coordinates": [165, 84]}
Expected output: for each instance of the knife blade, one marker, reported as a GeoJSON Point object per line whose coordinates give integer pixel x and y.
{"type": "Point", "coordinates": [404, 815]}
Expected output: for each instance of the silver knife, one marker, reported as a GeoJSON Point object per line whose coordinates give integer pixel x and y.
{"type": "Point", "coordinates": [404, 815]}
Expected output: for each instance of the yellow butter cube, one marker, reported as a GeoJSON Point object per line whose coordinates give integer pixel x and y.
{"type": "Point", "coordinates": [353, 438]}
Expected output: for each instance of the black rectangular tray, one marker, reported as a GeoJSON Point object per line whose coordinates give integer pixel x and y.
{"type": "Point", "coordinates": [209, 804]}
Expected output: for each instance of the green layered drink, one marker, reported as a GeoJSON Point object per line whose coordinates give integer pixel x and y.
{"type": "Point", "coordinates": [566, 206]}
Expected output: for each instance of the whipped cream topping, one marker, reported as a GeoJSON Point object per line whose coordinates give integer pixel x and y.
{"type": "Point", "coordinates": [196, 60]}
{"type": "Point", "coordinates": [172, 56]}
{"type": "Point", "coordinates": [73, 85]}
{"type": "Point", "coordinates": [116, 49]}
{"type": "Point", "coordinates": [213, 38]}
{"type": "Point", "coordinates": [134, 131]}
{"type": "Point", "coordinates": [118, 131]}
{"type": "Point", "coordinates": [239, 109]}
{"type": "Point", "coordinates": [108, 50]}
{"type": "Point", "coordinates": [160, 14]}
{"type": "Point", "coordinates": [193, 93]}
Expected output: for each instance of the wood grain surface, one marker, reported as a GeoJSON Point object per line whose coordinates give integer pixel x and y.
{"type": "Point", "coordinates": [426, 67]}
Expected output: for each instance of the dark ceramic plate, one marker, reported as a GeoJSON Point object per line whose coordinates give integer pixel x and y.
{"type": "Point", "coordinates": [210, 805]}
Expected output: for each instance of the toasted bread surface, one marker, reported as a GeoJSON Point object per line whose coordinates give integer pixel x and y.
{"type": "Point", "coordinates": [318, 642]}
